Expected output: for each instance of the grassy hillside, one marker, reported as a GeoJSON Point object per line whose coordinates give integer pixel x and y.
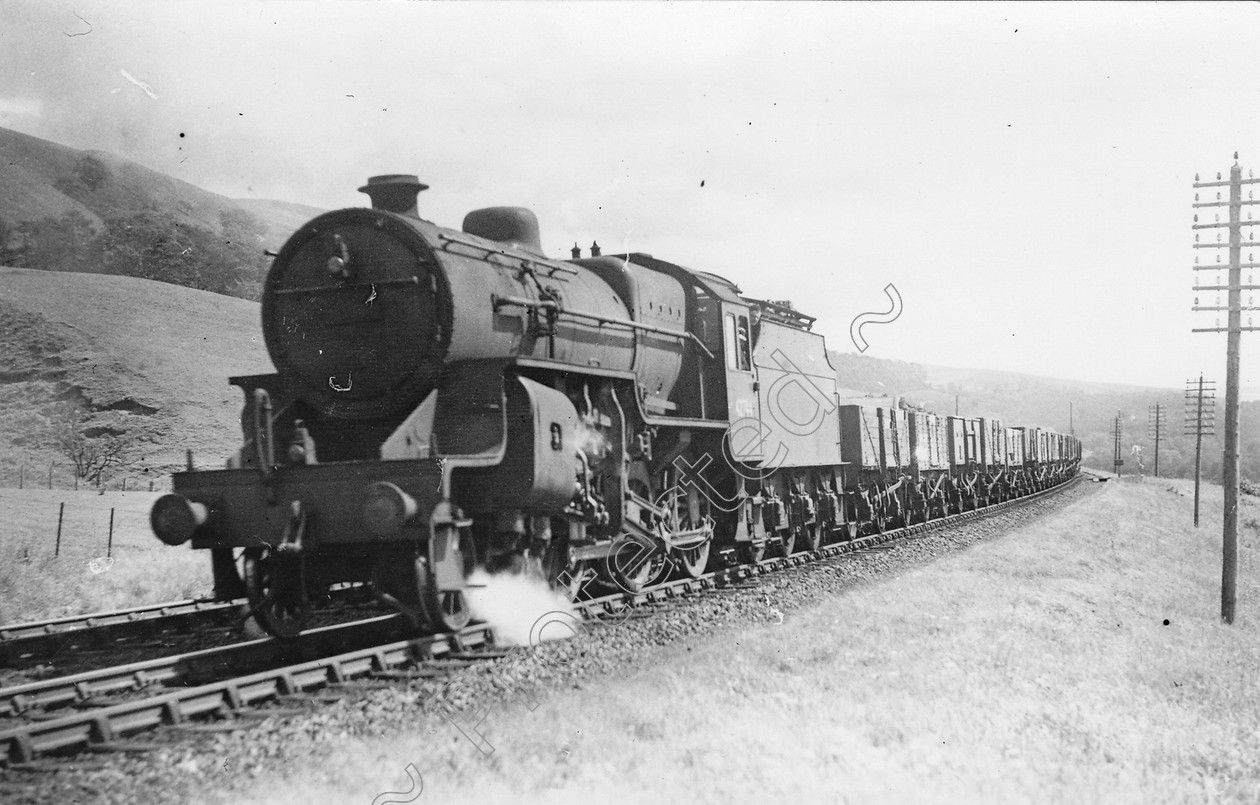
{"type": "Point", "coordinates": [143, 361]}
{"type": "Point", "coordinates": [63, 209]}
{"type": "Point", "coordinates": [278, 218]}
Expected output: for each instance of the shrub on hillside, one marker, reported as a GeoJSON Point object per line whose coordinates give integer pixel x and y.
{"type": "Point", "coordinates": [65, 243]}
{"type": "Point", "coordinates": [150, 244]}
{"type": "Point", "coordinates": [90, 174]}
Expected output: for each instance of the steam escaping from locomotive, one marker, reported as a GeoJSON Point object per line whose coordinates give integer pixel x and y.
{"type": "Point", "coordinates": [523, 610]}
{"type": "Point", "coordinates": [593, 444]}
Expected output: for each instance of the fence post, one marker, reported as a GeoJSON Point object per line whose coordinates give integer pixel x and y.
{"type": "Point", "coordinates": [124, 485]}
{"type": "Point", "coordinates": [50, 466]}
{"type": "Point", "coordinates": [21, 476]}
{"type": "Point", "coordinates": [60, 514]}
{"type": "Point", "coordinates": [109, 547]}
{"type": "Point", "coordinates": [150, 486]}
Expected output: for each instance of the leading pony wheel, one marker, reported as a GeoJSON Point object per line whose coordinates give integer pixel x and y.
{"type": "Point", "coordinates": [444, 610]}
{"type": "Point", "coordinates": [439, 578]}
{"type": "Point", "coordinates": [273, 586]}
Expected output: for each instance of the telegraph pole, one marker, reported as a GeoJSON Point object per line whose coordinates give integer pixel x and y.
{"type": "Point", "coordinates": [1117, 461]}
{"type": "Point", "coordinates": [1201, 421]}
{"type": "Point", "coordinates": [1233, 330]}
{"type": "Point", "coordinates": [1154, 427]}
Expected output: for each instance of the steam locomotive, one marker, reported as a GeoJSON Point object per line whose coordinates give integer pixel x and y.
{"type": "Point", "coordinates": [452, 399]}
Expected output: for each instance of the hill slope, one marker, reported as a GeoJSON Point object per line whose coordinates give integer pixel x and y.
{"type": "Point", "coordinates": [147, 359]}
{"type": "Point", "coordinates": [62, 209]}
{"type": "Point", "coordinates": [279, 218]}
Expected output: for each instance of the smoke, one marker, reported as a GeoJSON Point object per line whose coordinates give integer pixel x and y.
{"type": "Point", "coordinates": [523, 610]}
{"type": "Point", "coordinates": [590, 441]}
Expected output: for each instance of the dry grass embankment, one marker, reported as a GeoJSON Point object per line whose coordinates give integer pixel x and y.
{"type": "Point", "coordinates": [35, 584]}
{"type": "Point", "coordinates": [1079, 659]}
{"type": "Point", "coordinates": [150, 360]}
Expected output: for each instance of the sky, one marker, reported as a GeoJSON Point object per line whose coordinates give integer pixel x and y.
{"type": "Point", "coordinates": [1020, 173]}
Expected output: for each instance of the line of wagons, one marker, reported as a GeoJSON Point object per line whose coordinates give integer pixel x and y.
{"type": "Point", "coordinates": [907, 466]}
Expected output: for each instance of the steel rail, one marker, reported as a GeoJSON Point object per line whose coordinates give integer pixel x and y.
{"type": "Point", "coordinates": [196, 666]}
{"type": "Point", "coordinates": [101, 728]}
{"type": "Point", "coordinates": [35, 639]}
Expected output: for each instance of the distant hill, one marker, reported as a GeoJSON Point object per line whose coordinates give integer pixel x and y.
{"type": "Point", "coordinates": [63, 209]}
{"type": "Point", "coordinates": [142, 359]}
{"type": "Point", "coordinates": [279, 218]}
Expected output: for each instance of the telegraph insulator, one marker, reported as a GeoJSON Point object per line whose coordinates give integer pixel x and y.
{"type": "Point", "coordinates": [1218, 178]}
{"type": "Point", "coordinates": [1196, 219]}
{"type": "Point", "coordinates": [1196, 178]}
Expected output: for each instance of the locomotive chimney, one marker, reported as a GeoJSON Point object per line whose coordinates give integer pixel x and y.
{"type": "Point", "coordinates": [395, 192]}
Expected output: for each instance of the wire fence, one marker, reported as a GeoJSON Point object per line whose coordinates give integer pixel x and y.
{"type": "Point", "coordinates": [37, 523]}
{"type": "Point", "coordinates": [60, 475]}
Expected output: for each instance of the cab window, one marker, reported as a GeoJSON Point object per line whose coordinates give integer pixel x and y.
{"type": "Point", "coordinates": [736, 343]}
{"type": "Point", "coordinates": [728, 341]}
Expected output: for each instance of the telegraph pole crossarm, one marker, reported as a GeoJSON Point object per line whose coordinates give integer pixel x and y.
{"type": "Point", "coordinates": [1200, 421]}
{"type": "Point", "coordinates": [1233, 329]}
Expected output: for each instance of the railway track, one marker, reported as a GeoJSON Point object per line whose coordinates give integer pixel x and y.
{"type": "Point", "coordinates": [79, 712]}
{"type": "Point", "coordinates": [612, 604]}
{"type": "Point", "coordinates": [24, 644]}
{"type": "Point", "coordinates": [42, 699]}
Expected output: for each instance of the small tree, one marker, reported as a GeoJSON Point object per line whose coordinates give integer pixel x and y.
{"type": "Point", "coordinates": [91, 451]}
